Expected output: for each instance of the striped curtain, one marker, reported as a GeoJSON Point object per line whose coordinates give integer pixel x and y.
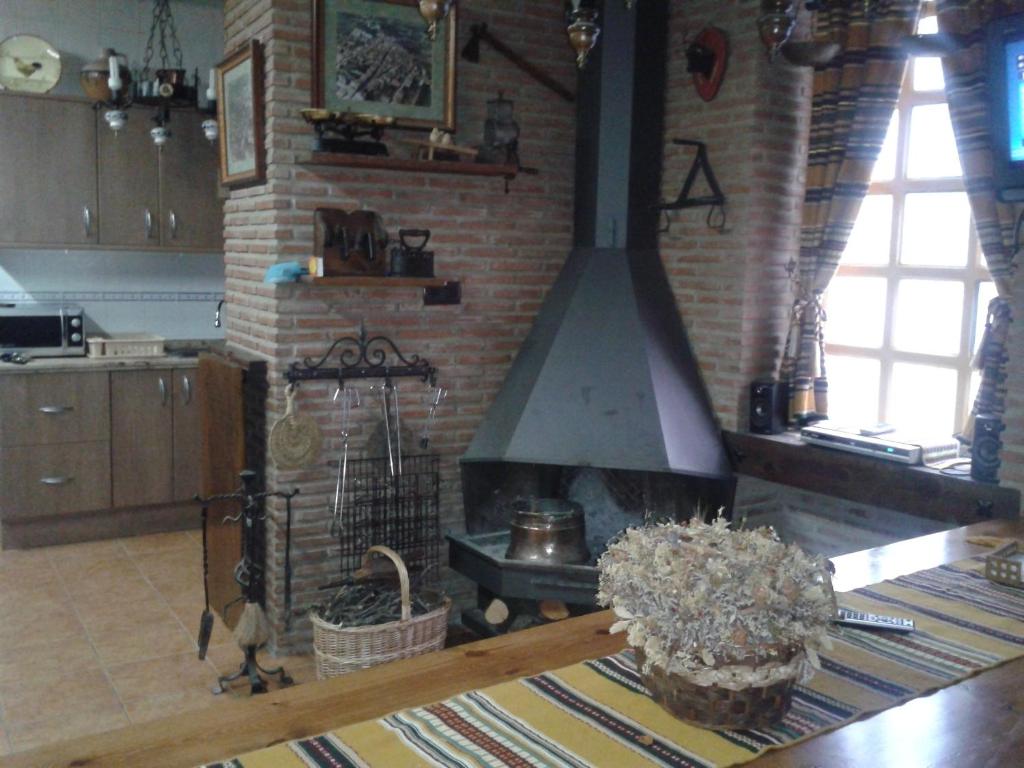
{"type": "Point", "coordinates": [854, 97]}
{"type": "Point", "coordinates": [967, 91]}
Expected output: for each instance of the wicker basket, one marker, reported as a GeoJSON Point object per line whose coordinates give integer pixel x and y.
{"type": "Point", "coordinates": [340, 650]}
{"type": "Point", "coordinates": [715, 707]}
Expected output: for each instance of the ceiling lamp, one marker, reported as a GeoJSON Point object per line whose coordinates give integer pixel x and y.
{"type": "Point", "coordinates": [583, 31]}
{"type": "Point", "coordinates": [110, 83]}
{"type": "Point", "coordinates": [434, 12]}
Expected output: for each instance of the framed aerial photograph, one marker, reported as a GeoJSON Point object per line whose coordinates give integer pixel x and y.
{"type": "Point", "coordinates": [240, 116]}
{"type": "Point", "coordinates": [374, 57]}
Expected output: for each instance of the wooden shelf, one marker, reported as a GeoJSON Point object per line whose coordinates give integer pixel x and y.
{"type": "Point", "coordinates": [436, 290]}
{"type": "Point", "coordinates": [371, 281]}
{"type": "Point", "coordinates": [383, 162]}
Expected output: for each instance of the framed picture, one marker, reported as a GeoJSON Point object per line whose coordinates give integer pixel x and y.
{"type": "Point", "coordinates": [374, 57]}
{"type": "Point", "coordinates": [240, 116]}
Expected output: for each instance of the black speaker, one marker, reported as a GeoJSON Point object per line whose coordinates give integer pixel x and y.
{"type": "Point", "coordinates": [985, 448]}
{"type": "Point", "coordinates": [768, 407]}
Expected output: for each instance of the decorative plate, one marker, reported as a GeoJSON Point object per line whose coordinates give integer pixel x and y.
{"type": "Point", "coordinates": [28, 64]}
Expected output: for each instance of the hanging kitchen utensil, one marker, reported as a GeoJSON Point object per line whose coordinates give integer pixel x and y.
{"type": "Point", "coordinates": [440, 393]}
{"type": "Point", "coordinates": [398, 427]}
{"type": "Point", "coordinates": [387, 426]}
{"type": "Point", "coordinates": [295, 438]}
{"type": "Point", "coordinates": [349, 400]}
{"type": "Point", "coordinates": [206, 620]}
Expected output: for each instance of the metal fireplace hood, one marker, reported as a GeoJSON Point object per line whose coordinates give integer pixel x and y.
{"type": "Point", "coordinates": [605, 378]}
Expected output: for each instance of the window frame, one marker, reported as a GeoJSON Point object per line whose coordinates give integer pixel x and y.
{"type": "Point", "coordinates": [972, 275]}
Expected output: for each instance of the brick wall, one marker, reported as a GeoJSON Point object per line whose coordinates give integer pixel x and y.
{"type": "Point", "coordinates": [505, 248]}
{"type": "Point", "coordinates": [732, 286]}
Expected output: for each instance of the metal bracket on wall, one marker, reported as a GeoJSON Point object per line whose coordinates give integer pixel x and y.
{"type": "Point", "coordinates": [449, 293]}
{"type": "Point", "coordinates": [716, 200]}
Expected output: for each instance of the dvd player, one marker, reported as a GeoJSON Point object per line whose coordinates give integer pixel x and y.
{"type": "Point", "coordinates": [894, 446]}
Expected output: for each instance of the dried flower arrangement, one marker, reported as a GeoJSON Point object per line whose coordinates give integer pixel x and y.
{"type": "Point", "coordinates": [721, 607]}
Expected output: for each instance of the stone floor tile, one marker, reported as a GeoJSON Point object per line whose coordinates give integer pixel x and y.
{"type": "Point", "coordinates": [153, 641]}
{"type": "Point", "coordinates": [157, 543]}
{"type": "Point", "coordinates": [72, 692]}
{"type": "Point", "coordinates": [41, 663]}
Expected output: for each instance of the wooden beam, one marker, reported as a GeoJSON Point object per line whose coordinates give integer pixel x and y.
{"type": "Point", "coordinates": [919, 491]}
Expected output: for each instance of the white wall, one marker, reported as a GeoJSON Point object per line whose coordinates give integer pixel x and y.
{"type": "Point", "coordinates": [80, 29]}
{"type": "Point", "coordinates": [174, 295]}
{"type": "Point", "coordinates": [171, 294]}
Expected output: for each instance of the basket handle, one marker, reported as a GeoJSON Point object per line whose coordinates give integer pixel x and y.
{"type": "Point", "coordinates": [403, 574]}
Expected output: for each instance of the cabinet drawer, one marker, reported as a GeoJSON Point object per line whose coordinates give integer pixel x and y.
{"type": "Point", "coordinates": [47, 480]}
{"type": "Point", "coordinates": [52, 408]}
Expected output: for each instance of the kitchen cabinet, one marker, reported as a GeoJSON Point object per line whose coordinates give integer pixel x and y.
{"type": "Point", "coordinates": [186, 436]}
{"type": "Point", "coordinates": [153, 196]}
{"type": "Point", "coordinates": [48, 167]}
{"type": "Point", "coordinates": [129, 184]}
{"type": "Point", "coordinates": [192, 214]}
{"type": "Point", "coordinates": [141, 451]}
{"type": "Point", "coordinates": [54, 444]}
{"type": "Point", "coordinates": [52, 408]}
{"type": "Point", "coordinates": [87, 454]}
{"type": "Point", "coordinates": [47, 480]}
{"type": "Point", "coordinates": [155, 436]}
{"type": "Point", "coordinates": [76, 182]}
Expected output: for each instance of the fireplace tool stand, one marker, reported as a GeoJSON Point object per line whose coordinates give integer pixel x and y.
{"type": "Point", "coordinates": [253, 630]}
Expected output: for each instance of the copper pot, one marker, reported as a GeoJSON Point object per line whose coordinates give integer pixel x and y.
{"type": "Point", "coordinates": [547, 531]}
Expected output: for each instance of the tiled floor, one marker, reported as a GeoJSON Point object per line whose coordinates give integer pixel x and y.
{"type": "Point", "coordinates": [96, 636]}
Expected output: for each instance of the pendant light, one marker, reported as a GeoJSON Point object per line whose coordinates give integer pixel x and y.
{"type": "Point", "coordinates": [775, 24]}
{"type": "Point", "coordinates": [434, 12]}
{"type": "Point", "coordinates": [161, 83]}
{"type": "Point", "coordinates": [583, 31]}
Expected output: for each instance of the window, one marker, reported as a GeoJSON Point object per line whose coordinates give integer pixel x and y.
{"type": "Point", "coordinates": [907, 305]}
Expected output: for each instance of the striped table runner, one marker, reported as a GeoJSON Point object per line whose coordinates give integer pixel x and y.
{"type": "Point", "coordinates": [597, 713]}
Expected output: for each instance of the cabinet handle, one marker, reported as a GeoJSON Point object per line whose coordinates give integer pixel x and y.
{"type": "Point", "coordinates": [173, 219]}
{"type": "Point", "coordinates": [53, 410]}
{"type": "Point", "coordinates": [87, 220]}
{"type": "Point", "coordinates": [186, 383]}
{"type": "Point", "coordinates": [149, 224]}
{"type": "Point", "coordinates": [163, 390]}
{"type": "Point", "coordinates": [59, 480]}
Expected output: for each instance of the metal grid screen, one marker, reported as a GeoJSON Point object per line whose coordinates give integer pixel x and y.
{"type": "Point", "coordinates": [398, 511]}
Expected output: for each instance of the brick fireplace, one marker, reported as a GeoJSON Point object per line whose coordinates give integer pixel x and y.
{"type": "Point", "coordinates": [506, 249]}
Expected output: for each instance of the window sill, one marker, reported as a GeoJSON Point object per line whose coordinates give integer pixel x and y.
{"type": "Point", "coordinates": [916, 490]}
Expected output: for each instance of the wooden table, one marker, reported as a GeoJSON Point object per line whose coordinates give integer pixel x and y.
{"type": "Point", "coordinates": [974, 723]}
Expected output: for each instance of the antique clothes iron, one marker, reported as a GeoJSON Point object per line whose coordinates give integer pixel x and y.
{"type": "Point", "coordinates": [408, 260]}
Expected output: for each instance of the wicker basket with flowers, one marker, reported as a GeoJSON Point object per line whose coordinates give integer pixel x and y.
{"type": "Point", "coordinates": [724, 622]}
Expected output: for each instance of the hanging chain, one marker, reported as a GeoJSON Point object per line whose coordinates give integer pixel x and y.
{"type": "Point", "coordinates": [164, 20]}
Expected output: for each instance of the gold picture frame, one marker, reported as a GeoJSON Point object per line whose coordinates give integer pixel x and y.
{"type": "Point", "coordinates": [240, 117]}
{"type": "Point", "coordinates": [348, 38]}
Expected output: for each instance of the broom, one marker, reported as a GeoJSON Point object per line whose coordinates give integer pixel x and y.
{"type": "Point", "coordinates": [253, 628]}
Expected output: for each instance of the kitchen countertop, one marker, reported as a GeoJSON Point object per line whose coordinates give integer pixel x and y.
{"type": "Point", "coordinates": [180, 354]}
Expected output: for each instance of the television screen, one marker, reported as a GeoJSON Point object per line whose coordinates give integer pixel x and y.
{"type": "Point", "coordinates": [1005, 42]}
{"type": "Point", "coordinates": [1013, 58]}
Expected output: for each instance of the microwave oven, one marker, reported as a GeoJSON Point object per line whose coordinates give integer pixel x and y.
{"type": "Point", "coordinates": [42, 330]}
